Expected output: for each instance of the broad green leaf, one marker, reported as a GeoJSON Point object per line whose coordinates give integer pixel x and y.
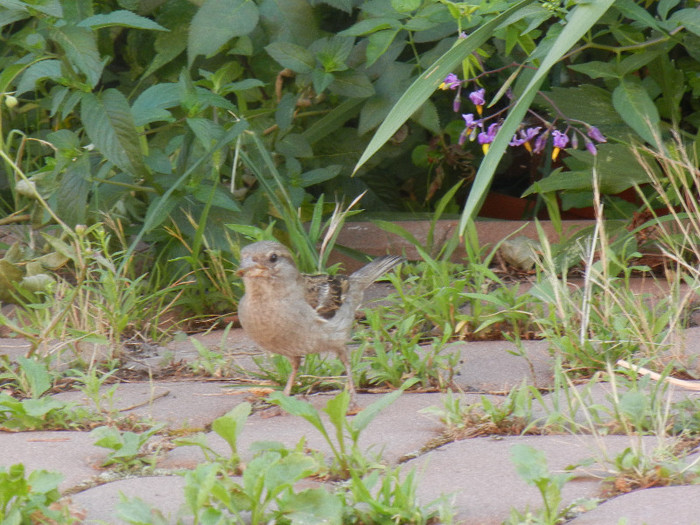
{"type": "Point", "coordinates": [597, 69]}
{"type": "Point", "coordinates": [371, 25]}
{"type": "Point", "coordinates": [120, 18]}
{"type": "Point", "coordinates": [230, 425]}
{"type": "Point", "coordinates": [580, 20]}
{"type": "Point", "coordinates": [637, 109]}
{"type": "Point", "coordinates": [217, 22]}
{"type": "Point", "coordinates": [428, 82]}
{"type": "Point", "coordinates": [72, 196]}
{"type": "Point", "coordinates": [312, 506]}
{"type": "Point", "coordinates": [10, 16]}
{"type": "Point", "coordinates": [319, 175]}
{"type": "Point", "coordinates": [221, 198]}
{"type": "Point", "coordinates": [168, 46]}
{"type": "Point", "coordinates": [352, 84]}
{"type": "Point", "coordinates": [332, 53]}
{"type": "Point", "coordinates": [690, 18]}
{"type": "Point", "coordinates": [294, 145]}
{"type": "Point", "coordinates": [38, 71]}
{"type": "Point", "coordinates": [530, 463]}
{"type": "Point", "coordinates": [405, 6]}
{"type": "Point", "coordinates": [379, 42]}
{"type": "Point", "coordinates": [80, 45]}
{"type": "Point", "coordinates": [321, 80]}
{"type": "Point", "coordinates": [110, 126]}
{"type": "Point", "coordinates": [291, 56]}
{"type": "Point", "coordinates": [37, 375]}
{"type": "Point", "coordinates": [152, 104]}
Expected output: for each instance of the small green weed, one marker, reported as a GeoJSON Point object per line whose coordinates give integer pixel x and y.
{"type": "Point", "coordinates": [345, 448]}
{"type": "Point", "coordinates": [531, 465]}
{"type": "Point", "coordinates": [32, 498]}
{"type": "Point", "coordinates": [126, 448]}
{"type": "Point", "coordinates": [44, 413]}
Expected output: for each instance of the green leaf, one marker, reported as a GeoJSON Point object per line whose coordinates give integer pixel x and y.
{"type": "Point", "coordinates": [152, 104]}
{"type": "Point", "coordinates": [530, 463]}
{"type": "Point", "coordinates": [10, 16]}
{"type": "Point", "coordinates": [291, 56]}
{"type": "Point", "coordinates": [36, 72]}
{"type": "Point", "coordinates": [37, 375]}
{"type": "Point", "coordinates": [364, 418]}
{"type": "Point", "coordinates": [371, 25]}
{"type": "Point", "coordinates": [80, 45]}
{"type": "Point", "coordinates": [217, 22]}
{"type": "Point", "coordinates": [294, 145]}
{"type": "Point", "coordinates": [110, 126]}
{"type": "Point", "coordinates": [352, 84]}
{"type": "Point", "coordinates": [379, 42]}
{"type": "Point", "coordinates": [597, 69]}
{"type": "Point", "coordinates": [637, 109]}
{"type": "Point", "coordinates": [321, 80]}
{"type": "Point", "coordinates": [230, 425]}
{"type": "Point", "coordinates": [319, 175]}
{"type": "Point", "coordinates": [405, 6]}
{"type": "Point", "coordinates": [120, 18]}
{"type": "Point", "coordinates": [72, 195]}
{"type": "Point", "coordinates": [311, 507]}
{"type": "Point", "coordinates": [690, 18]}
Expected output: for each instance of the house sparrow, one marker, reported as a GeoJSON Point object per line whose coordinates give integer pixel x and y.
{"type": "Point", "coordinates": [294, 314]}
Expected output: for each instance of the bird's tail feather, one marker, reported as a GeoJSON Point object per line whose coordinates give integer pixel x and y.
{"type": "Point", "coordinates": [375, 269]}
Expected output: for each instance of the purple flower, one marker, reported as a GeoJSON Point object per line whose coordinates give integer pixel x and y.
{"type": "Point", "coordinates": [574, 140]}
{"type": "Point", "coordinates": [524, 137]}
{"type": "Point", "coordinates": [560, 141]}
{"type": "Point", "coordinates": [486, 138]}
{"type": "Point", "coordinates": [469, 120]}
{"type": "Point", "coordinates": [596, 135]}
{"type": "Point", "coordinates": [591, 148]}
{"type": "Point", "coordinates": [451, 81]}
{"type": "Point", "coordinates": [463, 35]}
{"type": "Point", "coordinates": [477, 97]}
{"type": "Point", "coordinates": [541, 142]}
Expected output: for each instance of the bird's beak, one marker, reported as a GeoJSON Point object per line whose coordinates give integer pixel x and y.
{"type": "Point", "coordinates": [250, 268]}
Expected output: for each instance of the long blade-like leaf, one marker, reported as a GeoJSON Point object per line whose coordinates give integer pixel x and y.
{"type": "Point", "coordinates": [427, 83]}
{"type": "Point", "coordinates": [581, 19]}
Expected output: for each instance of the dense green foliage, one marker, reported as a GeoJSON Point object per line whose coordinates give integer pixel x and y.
{"type": "Point", "coordinates": [191, 115]}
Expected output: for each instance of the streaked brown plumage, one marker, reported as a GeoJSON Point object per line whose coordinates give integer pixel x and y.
{"type": "Point", "coordinates": [294, 314]}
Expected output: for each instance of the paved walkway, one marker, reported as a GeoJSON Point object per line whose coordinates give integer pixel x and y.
{"type": "Point", "coordinates": [477, 474]}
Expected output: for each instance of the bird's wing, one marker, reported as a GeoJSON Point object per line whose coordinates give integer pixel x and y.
{"type": "Point", "coordinates": [325, 293]}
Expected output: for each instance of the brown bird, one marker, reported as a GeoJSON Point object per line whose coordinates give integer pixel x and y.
{"type": "Point", "coordinates": [294, 314]}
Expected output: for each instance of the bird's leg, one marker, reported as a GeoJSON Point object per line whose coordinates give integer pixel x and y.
{"type": "Point", "coordinates": [350, 384]}
{"type": "Point", "coordinates": [295, 361]}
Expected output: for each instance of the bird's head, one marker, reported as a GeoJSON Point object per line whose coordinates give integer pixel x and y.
{"type": "Point", "coordinates": [267, 259]}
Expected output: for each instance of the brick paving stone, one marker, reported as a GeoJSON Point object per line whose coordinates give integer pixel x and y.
{"type": "Point", "coordinates": [71, 453]}
{"type": "Point", "coordinates": [656, 506]}
{"type": "Point", "coordinates": [494, 366]}
{"type": "Point", "coordinates": [482, 481]}
{"type": "Point", "coordinates": [178, 404]}
{"type": "Point", "coordinates": [164, 493]}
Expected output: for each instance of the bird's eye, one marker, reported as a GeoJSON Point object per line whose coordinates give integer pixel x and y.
{"type": "Point", "coordinates": [273, 257]}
